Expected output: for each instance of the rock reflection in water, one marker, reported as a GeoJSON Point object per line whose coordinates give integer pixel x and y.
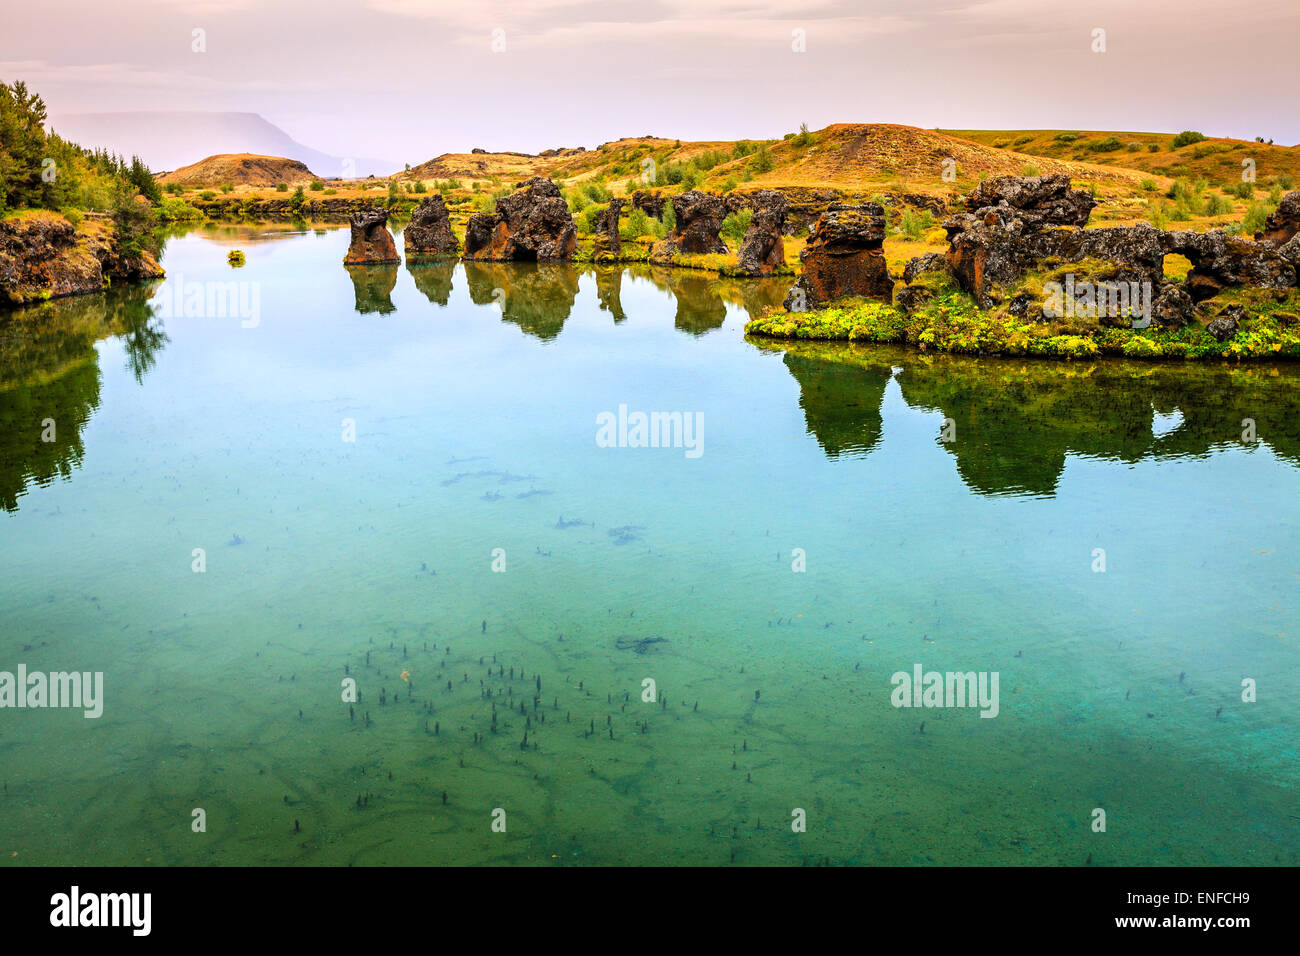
{"type": "Point", "coordinates": [536, 296]}
{"type": "Point", "coordinates": [433, 278]}
{"type": "Point", "coordinates": [374, 286]}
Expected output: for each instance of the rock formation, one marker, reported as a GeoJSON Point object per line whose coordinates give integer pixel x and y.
{"type": "Point", "coordinates": [1006, 234]}
{"type": "Point", "coordinates": [608, 245]}
{"type": "Point", "coordinates": [45, 256]}
{"type": "Point", "coordinates": [1283, 223]}
{"type": "Point", "coordinates": [372, 243]}
{"type": "Point", "coordinates": [844, 256]}
{"type": "Point", "coordinates": [652, 204]}
{"type": "Point", "coordinates": [429, 232]}
{"type": "Point", "coordinates": [532, 224]}
{"type": "Point", "coordinates": [699, 218]}
{"type": "Point", "coordinates": [762, 251]}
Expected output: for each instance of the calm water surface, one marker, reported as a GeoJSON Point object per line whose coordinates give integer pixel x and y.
{"type": "Point", "coordinates": [473, 392]}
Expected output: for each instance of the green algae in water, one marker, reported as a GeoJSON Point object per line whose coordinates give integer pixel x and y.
{"type": "Point", "coordinates": [474, 418]}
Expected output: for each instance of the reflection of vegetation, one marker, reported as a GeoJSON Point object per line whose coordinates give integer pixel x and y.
{"type": "Point", "coordinates": [840, 402]}
{"type": "Point", "coordinates": [49, 370]}
{"type": "Point", "coordinates": [374, 286]}
{"type": "Point", "coordinates": [536, 296]}
{"type": "Point", "coordinates": [1016, 422]}
{"type": "Point", "coordinates": [433, 278]}
{"type": "Point", "coordinates": [143, 334]}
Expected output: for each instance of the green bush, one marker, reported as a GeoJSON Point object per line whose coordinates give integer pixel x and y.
{"type": "Point", "coordinates": [227, 187]}
{"type": "Point", "coordinates": [734, 226]}
{"type": "Point", "coordinates": [317, 185]}
{"type": "Point", "coordinates": [1244, 190]}
{"type": "Point", "coordinates": [1187, 137]}
{"type": "Point", "coordinates": [1107, 145]}
{"type": "Point", "coordinates": [1218, 206]}
{"type": "Point", "coordinates": [176, 210]}
{"type": "Point", "coordinates": [282, 187]}
{"type": "Point", "coordinates": [763, 161]}
{"type": "Point", "coordinates": [1256, 213]}
{"type": "Point", "coordinates": [207, 195]}
{"type": "Point", "coordinates": [1153, 147]}
{"type": "Point", "coordinates": [1066, 137]}
{"type": "Point", "coordinates": [914, 225]}
{"type": "Point", "coordinates": [636, 224]}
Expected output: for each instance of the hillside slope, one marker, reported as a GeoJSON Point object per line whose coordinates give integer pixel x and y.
{"type": "Point", "coordinates": [1216, 160]}
{"type": "Point", "coordinates": [242, 169]}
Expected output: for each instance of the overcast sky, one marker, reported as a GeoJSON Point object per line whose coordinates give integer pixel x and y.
{"type": "Point", "coordinates": [410, 79]}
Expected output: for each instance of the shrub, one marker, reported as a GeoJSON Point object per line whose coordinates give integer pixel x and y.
{"type": "Point", "coordinates": [735, 225]}
{"type": "Point", "coordinates": [174, 210]}
{"type": "Point", "coordinates": [1148, 185]}
{"type": "Point", "coordinates": [1107, 145]}
{"type": "Point", "coordinates": [1066, 137]}
{"type": "Point", "coordinates": [1029, 169]}
{"type": "Point", "coordinates": [915, 225]}
{"type": "Point", "coordinates": [763, 161]}
{"type": "Point", "coordinates": [1135, 147]}
{"type": "Point", "coordinates": [227, 187]}
{"type": "Point", "coordinates": [577, 200]}
{"type": "Point", "coordinates": [317, 185]}
{"type": "Point", "coordinates": [1218, 206]}
{"type": "Point", "coordinates": [282, 187]}
{"type": "Point", "coordinates": [742, 148]}
{"type": "Point", "coordinates": [207, 195]}
{"type": "Point", "coordinates": [1256, 213]}
{"type": "Point", "coordinates": [1244, 190]}
{"type": "Point", "coordinates": [419, 187]}
{"type": "Point", "coordinates": [1153, 147]}
{"type": "Point", "coordinates": [636, 224]}
{"type": "Point", "coordinates": [1187, 137]}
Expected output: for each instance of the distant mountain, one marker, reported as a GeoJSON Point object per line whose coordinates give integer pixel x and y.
{"type": "Point", "coordinates": [169, 140]}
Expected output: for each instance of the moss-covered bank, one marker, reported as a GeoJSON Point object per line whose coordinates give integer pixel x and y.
{"type": "Point", "coordinates": [950, 321]}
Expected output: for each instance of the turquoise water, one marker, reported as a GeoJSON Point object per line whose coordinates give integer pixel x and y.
{"type": "Point", "coordinates": [473, 393]}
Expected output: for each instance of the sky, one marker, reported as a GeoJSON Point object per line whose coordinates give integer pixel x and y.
{"type": "Point", "coordinates": [409, 79]}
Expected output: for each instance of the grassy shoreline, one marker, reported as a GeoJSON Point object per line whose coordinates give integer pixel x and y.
{"type": "Point", "coordinates": [952, 322]}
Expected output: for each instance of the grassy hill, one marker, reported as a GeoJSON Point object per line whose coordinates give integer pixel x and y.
{"type": "Point", "coordinates": [241, 169]}
{"type": "Point", "coordinates": [1215, 160]}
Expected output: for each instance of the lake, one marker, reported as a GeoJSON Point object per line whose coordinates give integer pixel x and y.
{"type": "Point", "coordinates": [267, 484]}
